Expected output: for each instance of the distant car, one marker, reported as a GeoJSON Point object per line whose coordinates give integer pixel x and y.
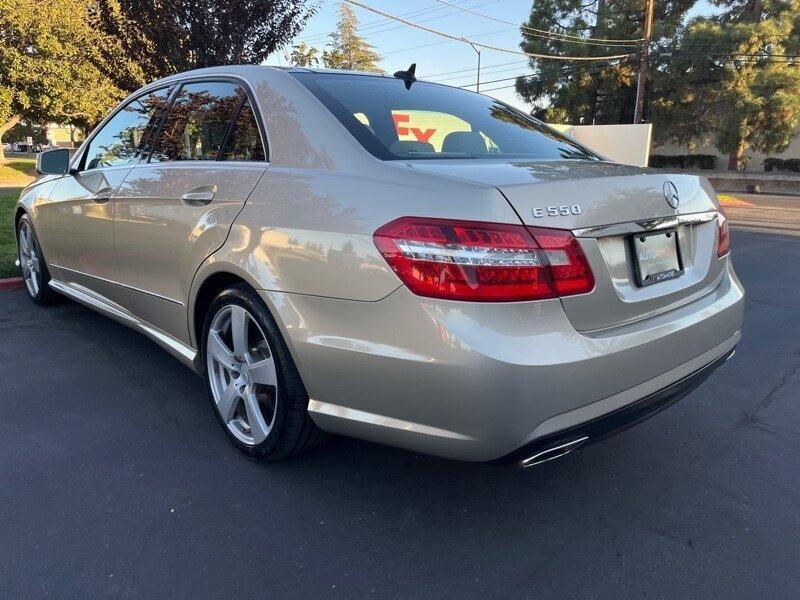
{"type": "Point", "coordinates": [381, 257]}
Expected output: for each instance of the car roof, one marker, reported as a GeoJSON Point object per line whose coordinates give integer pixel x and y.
{"type": "Point", "coordinates": [251, 69]}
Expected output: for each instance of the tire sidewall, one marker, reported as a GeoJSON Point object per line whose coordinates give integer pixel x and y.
{"type": "Point", "coordinates": [240, 296]}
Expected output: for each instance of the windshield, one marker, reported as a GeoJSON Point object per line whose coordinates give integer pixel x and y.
{"type": "Point", "coordinates": [430, 121]}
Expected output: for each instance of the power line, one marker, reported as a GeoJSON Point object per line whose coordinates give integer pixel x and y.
{"type": "Point", "coordinates": [515, 62]}
{"type": "Point", "coordinates": [573, 69]}
{"type": "Point", "coordinates": [443, 42]}
{"type": "Point", "coordinates": [370, 28]}
{"type": "Point", "coordinates": [379, 22]}
{"type": "Point", "coordinates": [450, 14]}
{"type": "Point", "coordinates": [543, 32]}
{"type": "Point", "coordinates": [486, 46]}
{"type": "Point", "coordinates": [569, 70]}
{"type": "Point", "coordinates": [483, 70]}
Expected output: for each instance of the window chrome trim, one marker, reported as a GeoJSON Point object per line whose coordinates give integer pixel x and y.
{"type": "Point", "coordinates": [183, 79]}
{"type": "Point", "coordinates": [645, 225]}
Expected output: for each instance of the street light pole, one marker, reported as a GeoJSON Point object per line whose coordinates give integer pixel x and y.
{"type": "Point", "coordinates": [478, 81]}
{"type": "Point", "coordinates": [643, 63]}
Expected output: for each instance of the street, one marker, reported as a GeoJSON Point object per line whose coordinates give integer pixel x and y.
{"type": "Point", "coordinates": [767, 213]}
{"type": "Point", "coordinates": [116, 481]}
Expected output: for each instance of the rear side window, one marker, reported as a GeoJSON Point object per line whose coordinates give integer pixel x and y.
{"type": "Point", "coordinates": [202, 117]}
{"type": "Point", "coordinates": [244, 140]}
{"type": "Point", "coordinates": [122, 139]}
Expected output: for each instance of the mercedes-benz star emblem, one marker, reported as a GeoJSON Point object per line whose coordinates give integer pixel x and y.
{"type": "Point", "coordinates": [671, 194]}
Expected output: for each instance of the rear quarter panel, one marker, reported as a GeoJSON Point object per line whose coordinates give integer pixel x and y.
{"type": "Point", "coordinates": [307, 227]}
{"type": "Point", "coordinates": [309, 231]}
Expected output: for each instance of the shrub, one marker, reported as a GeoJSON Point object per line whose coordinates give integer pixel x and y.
{"type": "Point", "coordinates": [791, 165]}
{"type": "Point", "coordinates": [683, 161]}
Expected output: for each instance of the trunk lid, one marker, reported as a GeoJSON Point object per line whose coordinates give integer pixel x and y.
{"type": "Point", "coordinates": [605, 204]}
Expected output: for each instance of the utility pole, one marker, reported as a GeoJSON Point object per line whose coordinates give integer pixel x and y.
{"type": "Point", "coordinates": [643, 63]}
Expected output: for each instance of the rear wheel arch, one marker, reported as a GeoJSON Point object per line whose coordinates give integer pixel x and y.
{"type": "Point", "coordinates": [208, 290]}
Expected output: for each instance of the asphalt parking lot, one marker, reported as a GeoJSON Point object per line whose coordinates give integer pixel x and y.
{"type": "Point", "coordinates": [116, 481]}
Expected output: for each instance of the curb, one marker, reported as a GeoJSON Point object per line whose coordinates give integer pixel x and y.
{"type": "Point", "coordinates": [13, 283]}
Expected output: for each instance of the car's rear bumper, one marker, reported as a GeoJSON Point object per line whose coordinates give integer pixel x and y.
{"type": "Point", "coordinates": [477, 381]}
{"type": "Point", "coordinates": [583, 434]}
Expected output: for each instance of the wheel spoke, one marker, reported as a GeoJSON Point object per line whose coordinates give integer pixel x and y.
{"type": "Point", "coordinates": [227, 402]}
{"type": "Point", "coordinates": [263, 372]}
{"type": "Point", "coordinates": [218, 349]}
{"type": "Point", "coordinates": [258, 427]}
{"type": "Point", "coordinates": [23, 241]}
{"type": "Point", "coordinates": [239, 330]}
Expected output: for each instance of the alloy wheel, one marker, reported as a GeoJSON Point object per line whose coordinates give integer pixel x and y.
{"type": "Point", "coordinates": [29, 258]}
{"type": "Point", "coordinates": [242, 375]}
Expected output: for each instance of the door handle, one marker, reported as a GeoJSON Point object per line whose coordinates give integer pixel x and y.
{"type": "Point", "coordinates": [102, 195]}
{"type": "Point", "coordinates": [199, 196]}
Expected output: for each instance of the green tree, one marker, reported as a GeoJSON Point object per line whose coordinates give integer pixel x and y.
{"type": "Point", "coordinates": [729, 80]}
{"type": "Point", "coordinates": [600, 92]}
{"type": "Point", "coordinates": [348, 49]}
{"type": "Point", "coordinates": [169, 36]}
{"type": "Point", "coordinates": [47, 72]}
{"type": "Point", "coordinates": [304, 56]}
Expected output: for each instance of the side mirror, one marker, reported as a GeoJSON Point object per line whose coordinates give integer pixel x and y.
{"type": "Point", "coordinates": [53, 162]}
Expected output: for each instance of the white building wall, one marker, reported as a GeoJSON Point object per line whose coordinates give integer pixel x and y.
{"type": "Point", "coordinates": [626, 144]}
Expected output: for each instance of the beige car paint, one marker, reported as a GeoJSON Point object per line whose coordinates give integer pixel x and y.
{"type": "Point", "coordinates": [77, 222]}
{"type": "Point", "coordinates": [161, 239]}
{"type": "Point", "coordinates": [458, 379]}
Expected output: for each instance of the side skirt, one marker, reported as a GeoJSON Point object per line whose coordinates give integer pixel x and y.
{"type": "Point", "coordinates": [184, 353]}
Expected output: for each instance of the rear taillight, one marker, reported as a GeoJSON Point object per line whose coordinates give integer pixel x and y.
{"type": "Point", "coordinates": [484, 262]}
{"type": "Point", "coordinates": [723, 234]}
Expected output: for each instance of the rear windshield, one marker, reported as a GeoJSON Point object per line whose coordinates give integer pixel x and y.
{"type": "Point", "coordinates": [430, 121]}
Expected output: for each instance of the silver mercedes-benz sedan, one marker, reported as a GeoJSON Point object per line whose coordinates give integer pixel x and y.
{"type": "Point", "coordinates": [386, 258]}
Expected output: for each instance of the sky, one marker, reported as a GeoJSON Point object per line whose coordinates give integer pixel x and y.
{"type": "Point", "coordinates": [450, 62]}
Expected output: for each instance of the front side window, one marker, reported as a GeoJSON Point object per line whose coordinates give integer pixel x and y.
{"type": "Point", "coordinates": [199, 122]}
{"type": "Point", "coordinates": [122, 139]}
{"type": "Point", "coordinates": [431, 121]}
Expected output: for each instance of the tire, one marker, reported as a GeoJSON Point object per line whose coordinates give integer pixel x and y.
{"type": "Point", "coordinates": [241, 383]}
{"type": "Point", "coordinates": [33, 264]}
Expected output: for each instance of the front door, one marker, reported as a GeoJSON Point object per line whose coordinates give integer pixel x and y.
{"type": "Point", "coordinates": [77, 221]}
{"type": "Point", "coordinates": [175, 210]}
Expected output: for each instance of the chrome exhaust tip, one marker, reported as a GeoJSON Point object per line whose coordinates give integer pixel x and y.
{"type": "Point", "coordinates": [552, 453]}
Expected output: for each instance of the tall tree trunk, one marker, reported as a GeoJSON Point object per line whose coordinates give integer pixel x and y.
{"type": "Point", "coordinates": [736, 155]}
{"type": "Point", "coordinates": [758, 10]}
{"type": "Point", "coordinates": [3, 129]}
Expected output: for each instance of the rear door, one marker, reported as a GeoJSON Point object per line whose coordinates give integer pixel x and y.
{"type": "Point", "coordinates": [176, 209]}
